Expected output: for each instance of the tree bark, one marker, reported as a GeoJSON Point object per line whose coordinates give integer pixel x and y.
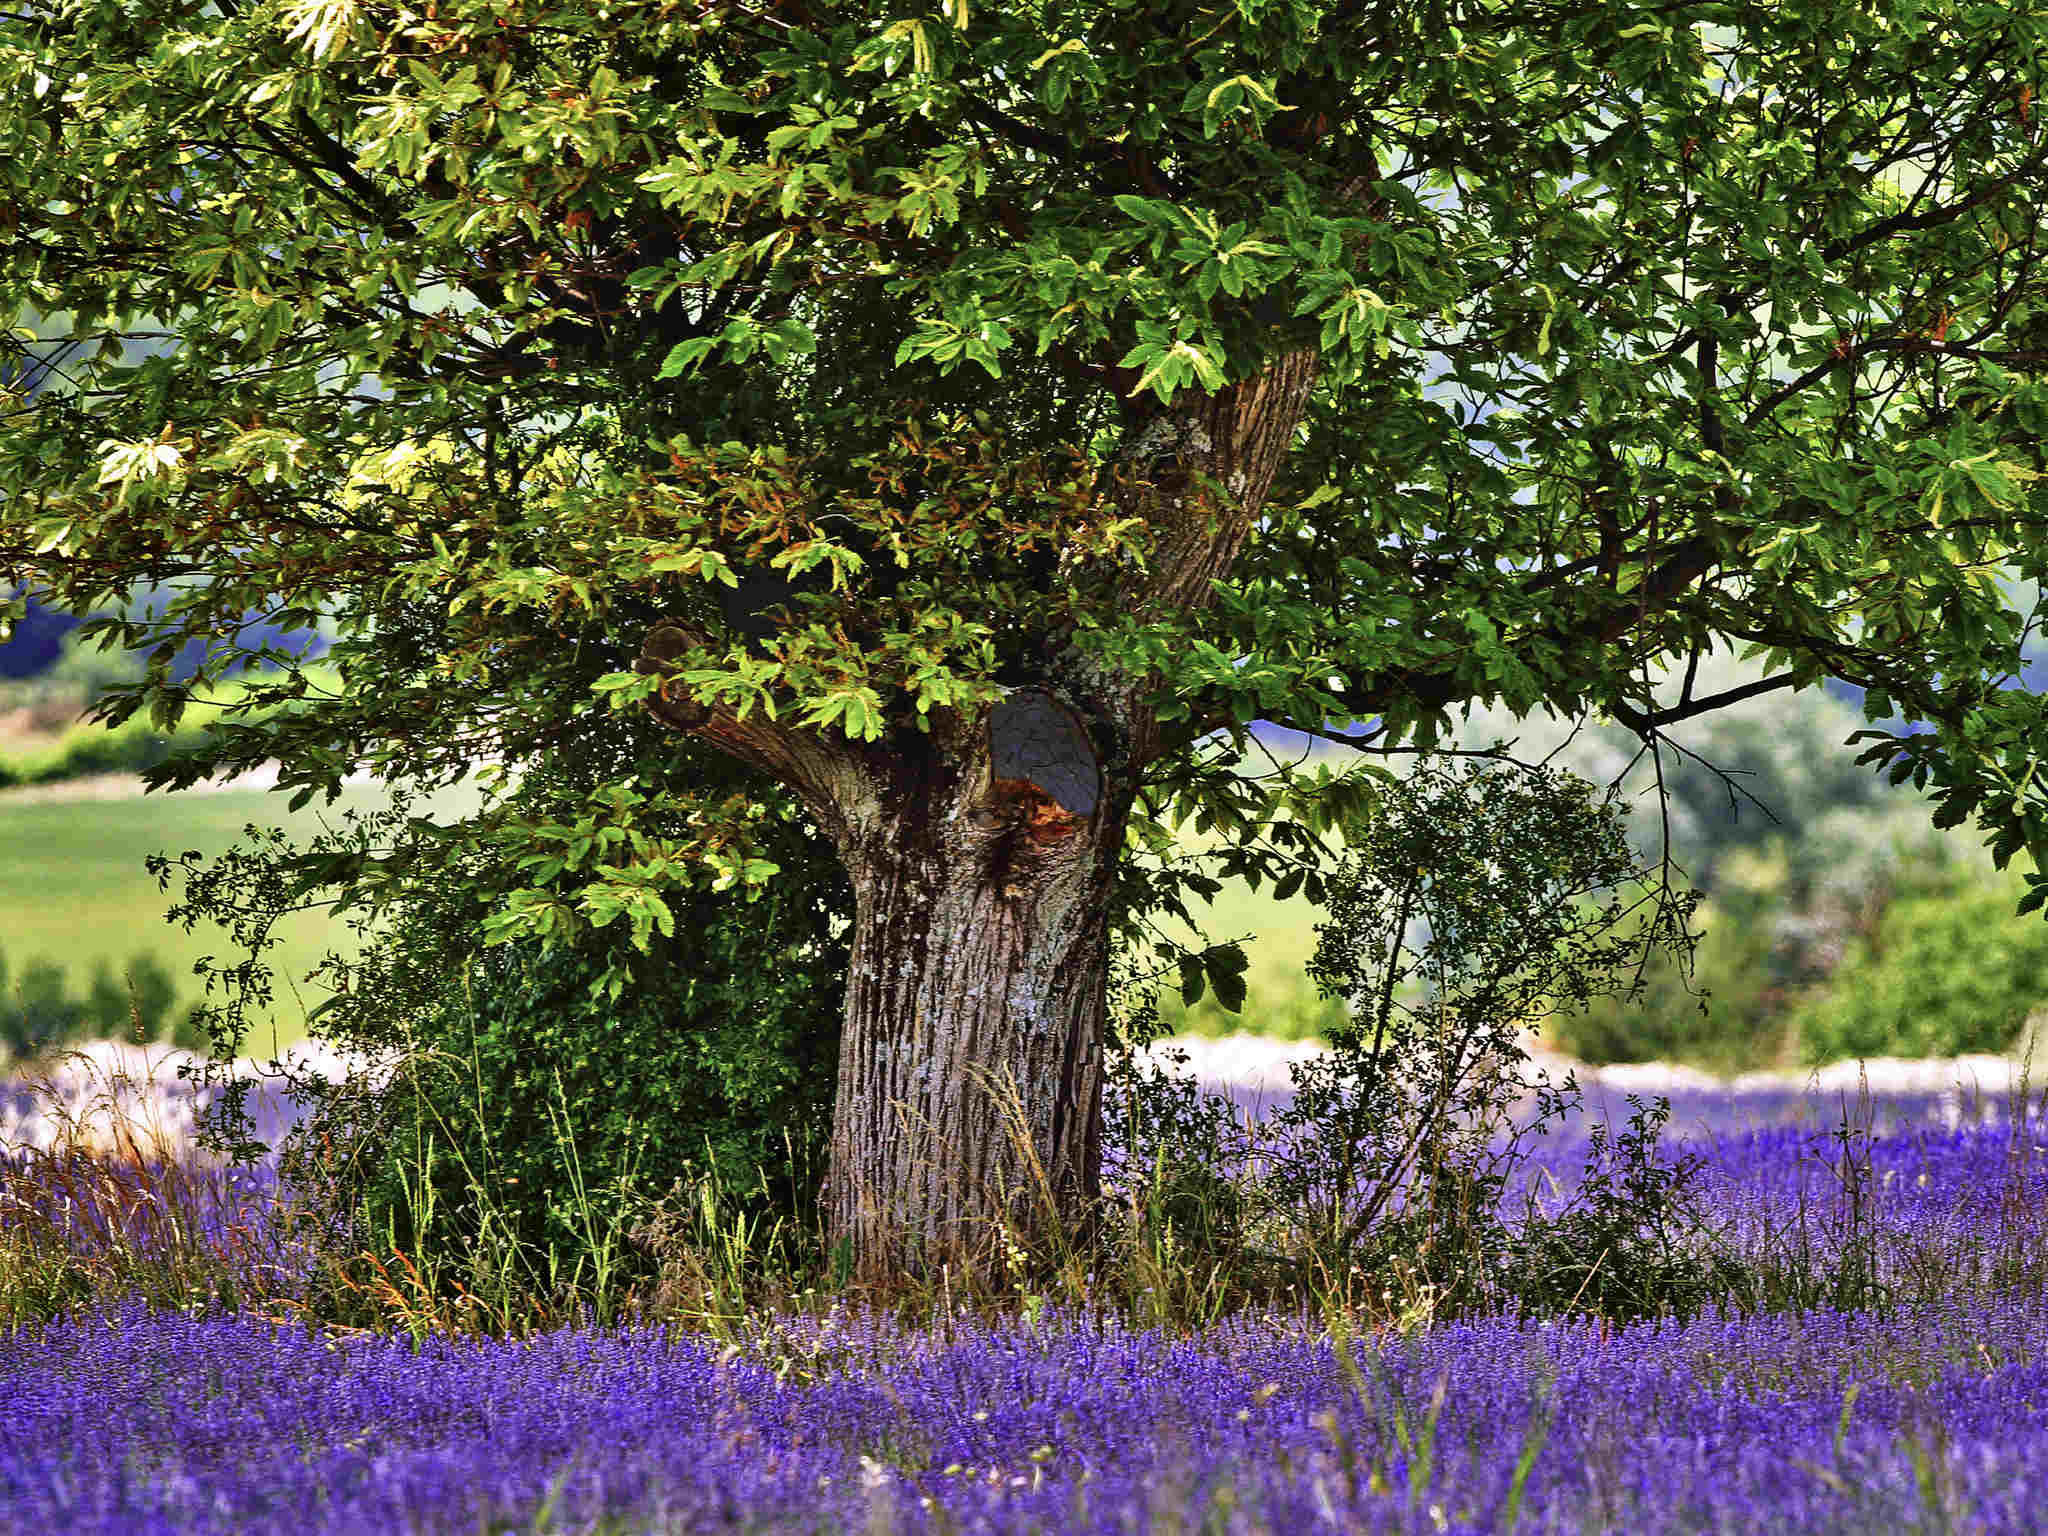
{"type": "Point", "coordinates": [970, 1069]}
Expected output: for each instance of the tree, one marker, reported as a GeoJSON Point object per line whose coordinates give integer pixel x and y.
{"type": "Point", "coordinates": [959, 417]}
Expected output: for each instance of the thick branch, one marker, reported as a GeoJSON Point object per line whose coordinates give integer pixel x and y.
{"type": "Point", "coordinates": [1064, 150]}
{"type": "Point", "coordinates": [1238, 437]}
{"type": "Point", "coordinates": [1044, 777]}
{"type": "Point", "coordinates": [837, 778]}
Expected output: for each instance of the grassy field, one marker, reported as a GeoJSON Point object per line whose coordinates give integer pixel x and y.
{"type": "Point", "coordinates": [73, 890]}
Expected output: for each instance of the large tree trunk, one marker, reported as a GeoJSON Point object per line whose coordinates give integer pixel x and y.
{"type": "Point", "coordinates": [982, 856]}
{"type": "Point", "coordinates": [970, 1068]}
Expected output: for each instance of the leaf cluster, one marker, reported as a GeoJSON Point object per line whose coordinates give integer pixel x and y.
{"type": "Point", "coordinates": [499, 333]}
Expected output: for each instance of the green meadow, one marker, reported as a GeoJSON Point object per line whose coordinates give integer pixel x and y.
{"type": "Point", "coordinates": [74, 891]}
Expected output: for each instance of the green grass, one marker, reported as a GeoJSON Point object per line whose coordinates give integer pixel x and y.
{"type": "Point", "coordinates": [73, 889]}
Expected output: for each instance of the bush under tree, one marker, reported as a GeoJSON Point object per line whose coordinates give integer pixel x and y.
{"type": "Point", "coordinates": [1509, 896]}
{"type": "Point", "coordinates": [508, 1107]}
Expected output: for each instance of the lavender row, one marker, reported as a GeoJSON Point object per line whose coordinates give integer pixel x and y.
{"type": "Point", "coordinates": [141, 1422]}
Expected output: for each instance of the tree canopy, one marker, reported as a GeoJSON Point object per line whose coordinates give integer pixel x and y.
{"type": "Point", "coordinates": [1309, 360]}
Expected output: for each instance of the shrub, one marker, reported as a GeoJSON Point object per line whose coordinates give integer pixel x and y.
{"type": "Point", "coordinates": [1943, 973]}
{"type": "Point", "coordinates": [139, 1004]}
{"type": "Point", "coordinates": [1392, 1160]}
{"type": "Point", "coordinates": [1406, 1128]}
{"type": "Point", "coordinates": [88, 748]}
{"type": "Point", "coordinates": [125, 749]}
{"type": "Point", "coordinates": [35, 1011]}
{"type": "Point", "coordinates": [1629, 1243]}
{"type": "Point", "coordinates": [528, 1123]}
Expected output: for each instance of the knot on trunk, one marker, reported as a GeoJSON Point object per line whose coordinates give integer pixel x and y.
{"type": "Point", "coordinates": [1043, 766]}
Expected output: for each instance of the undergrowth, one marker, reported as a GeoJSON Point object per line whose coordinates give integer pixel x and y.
{"type": "Point", "coordinates": [110, 1215]}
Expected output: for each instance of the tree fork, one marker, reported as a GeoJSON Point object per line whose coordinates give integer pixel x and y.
{"type": "Point", "coordinates": [982, 857]}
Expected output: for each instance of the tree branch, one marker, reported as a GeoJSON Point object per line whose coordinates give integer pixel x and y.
{"type": "Point", "coordinates": [832, 775]}
{"type": "Point", "coordinates": [1912, 344]}
{"type": "Point", "coordinates": [1068, 153]}
{"type": "Point", "coordinates": [1644, 721]}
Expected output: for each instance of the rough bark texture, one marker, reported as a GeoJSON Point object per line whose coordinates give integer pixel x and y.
{"type": "Point", "coordinates": [970, 1069]}
{"type": "Point", "coordinates": [982, 857]}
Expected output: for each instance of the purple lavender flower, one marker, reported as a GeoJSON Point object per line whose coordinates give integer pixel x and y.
{"type": "Point", "coordinates": [144, 1421]}
{"type": "Point", "coordinates": [1929, 1412]}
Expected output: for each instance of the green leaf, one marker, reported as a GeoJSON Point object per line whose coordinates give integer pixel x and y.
{"type": "Point", "coordinates": [1230, 989]}
{"type": "Point", "coordinates": [1229, 959]}
{"type": "Point", "coordinates": [1145, 210]}
{"type": "Point", "coordinates": [684, 356]}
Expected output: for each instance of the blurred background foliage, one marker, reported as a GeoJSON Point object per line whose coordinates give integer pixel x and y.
{"type": "Point", "coordinates": [38, 1008]}
{"type": "Point", "coordinates": [79, 912]}
{"type": "Point", "coordinates": [50, 679]}
{"type": "Point", "coordinates": [1828, 895]}
{"type": "Point", "coordinates": [1837, 921]}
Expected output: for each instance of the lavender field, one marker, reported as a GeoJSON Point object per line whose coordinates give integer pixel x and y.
{"type": "Point", "coordinates": [1883, 1366]}
{"type": "Point", "coordinates": [1934, 1419]}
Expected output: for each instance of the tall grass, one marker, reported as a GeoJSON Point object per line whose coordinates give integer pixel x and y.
{"type": "Point", "coordinates": [114, 1209]}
